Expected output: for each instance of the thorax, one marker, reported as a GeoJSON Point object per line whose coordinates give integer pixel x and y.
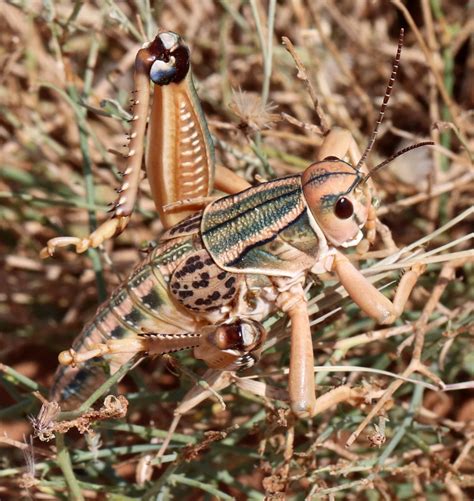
{"type": "Point", "coordinates": [235, 257]}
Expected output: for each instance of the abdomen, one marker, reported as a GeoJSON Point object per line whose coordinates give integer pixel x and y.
{"type": "Point", "coordinates": [140, 305]}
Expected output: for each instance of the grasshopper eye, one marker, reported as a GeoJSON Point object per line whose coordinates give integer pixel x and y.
{"type": "Point", "coordinates": [344, 208]}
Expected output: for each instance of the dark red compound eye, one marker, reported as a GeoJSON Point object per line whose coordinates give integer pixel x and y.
{"type": "Point", "coordinates": [344, 208]}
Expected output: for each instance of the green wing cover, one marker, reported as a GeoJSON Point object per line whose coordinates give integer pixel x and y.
{"type": "Point", "coordinates": [264, 229]}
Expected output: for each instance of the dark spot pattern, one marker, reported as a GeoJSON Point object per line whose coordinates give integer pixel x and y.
{"type": "Point", "coordinates": [189, 225]}
{"type": "Point", "coordinates": [133, 318]}
{"type": "Point", "coordinates": [245, 361]}
{"type": "Point", "coordinates": [229, 283]}
{"type": "Point", "coordinates": [118, 332]}
{"type": "Point", "coordinates": [200, 285]}
{"type": "Point", "coordinates": [151, 300]}
{"type": "Point", "coordinates": [230, 294]}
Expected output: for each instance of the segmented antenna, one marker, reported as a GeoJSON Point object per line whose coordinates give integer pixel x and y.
{"type": "Point", "coordinates": [394, 156]}
{"type": "Point", "coordinates": [386, 98]}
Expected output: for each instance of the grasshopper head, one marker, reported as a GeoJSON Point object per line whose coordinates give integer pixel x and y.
{"type": "Point", "coordinates": [337, 202]}
{"type": "Point", "coordinates": [166, 58]}
{"type": "Point", "coordinates": [337, 193]}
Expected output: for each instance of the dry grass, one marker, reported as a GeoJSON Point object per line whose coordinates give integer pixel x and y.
{"type": "Point", "coordinates": [66, 77]}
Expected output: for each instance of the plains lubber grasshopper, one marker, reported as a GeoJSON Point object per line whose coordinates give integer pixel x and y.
{"type": "Point", "coordinates": [224, 265]}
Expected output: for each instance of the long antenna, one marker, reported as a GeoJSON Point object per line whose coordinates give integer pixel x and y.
{"type": "Point", "coordinates": [386, 98]}
{"type": "Point", "coordinates": [394, 156]}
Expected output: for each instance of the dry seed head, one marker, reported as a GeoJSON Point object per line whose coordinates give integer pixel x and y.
{"type": "Point", "coordinates": [28, 479]}
{"type": "Point", "coordinates": [44, 424]}
{"type": "Point", "coordinates": [251, 110]}
{"type": "Point", "coordinates": [94, 443]}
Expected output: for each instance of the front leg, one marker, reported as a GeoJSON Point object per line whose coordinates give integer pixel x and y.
{"type": "Point", "coordinates": [124, 204]}
{"type": "Point", "coordinates": [180, 152]}
{"type": "Point", "coordinates": [367, 297]}
{"type": "Point", "coordinates": [301, 385]}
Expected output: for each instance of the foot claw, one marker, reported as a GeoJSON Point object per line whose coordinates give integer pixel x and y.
{"type": "Point", "coordinates": [67, 358]}
{"type": "Point", "coordinates": [54, 243]}
{"type": "Point", "coordinates": [104, 232]}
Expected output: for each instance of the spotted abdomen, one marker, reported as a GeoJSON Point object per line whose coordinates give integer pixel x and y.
{"type": "Point", "coordinates": [140, 306]}
{"type": "Point", "coordinates": [200, 285]}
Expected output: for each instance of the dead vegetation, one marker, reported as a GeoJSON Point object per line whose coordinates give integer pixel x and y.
{"type": "Point", "coordinates": [403, 430]}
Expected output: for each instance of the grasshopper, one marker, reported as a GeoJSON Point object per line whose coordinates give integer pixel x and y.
{"type": "Point", "coordinates": [224, 265]}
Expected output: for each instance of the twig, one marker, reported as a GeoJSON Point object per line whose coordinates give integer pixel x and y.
{"type": "Point", "coordinates": [64, 462]}
{"type": "Point", "coordinates": [446, 275]}
{"type": "Point", "coordinates": [303, 75]}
